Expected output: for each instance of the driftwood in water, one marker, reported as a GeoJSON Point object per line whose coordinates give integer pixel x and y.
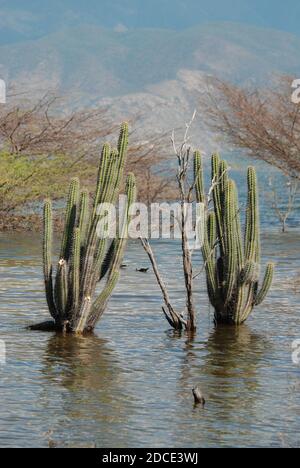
{"type": "Point", "coordinates": [45, 326]}
{"type": "Point", "coordinates": [50, 326]}
{"type": "Point", "coordinates": [198, 396]}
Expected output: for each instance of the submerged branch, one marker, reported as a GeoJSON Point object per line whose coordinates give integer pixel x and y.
{"type": "Point", "coordinates": [174, 319]}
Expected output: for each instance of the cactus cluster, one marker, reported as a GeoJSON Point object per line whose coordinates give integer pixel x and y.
{"type": "Point", "coordinates": [85, 258]}
{"type": "Point", "coordinates": [232, 261]}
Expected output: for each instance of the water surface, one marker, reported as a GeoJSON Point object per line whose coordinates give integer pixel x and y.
{"type": "Point", "coordinates": [130, 384]}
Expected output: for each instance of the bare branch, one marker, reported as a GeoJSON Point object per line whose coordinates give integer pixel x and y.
{"type": "Point", "coordinates": [263, 122]}
{"type": "Point", "coordinates": [173, 318]}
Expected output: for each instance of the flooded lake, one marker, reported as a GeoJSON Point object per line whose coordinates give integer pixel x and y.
{"type": "Point", "coordinates": [130, 385]}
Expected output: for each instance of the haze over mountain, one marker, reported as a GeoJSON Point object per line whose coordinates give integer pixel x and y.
{"type": "Point", "coordinates": [96, 62]}
{"type": "Point", "coordinates": [147, 56]}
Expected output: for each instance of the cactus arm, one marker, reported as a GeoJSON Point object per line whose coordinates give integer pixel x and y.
{"type": "Point", "coordinates": [216, 189]}
{"type": "Point", "coordinates": [238, 232]}
{"type": "Point", "coordinates": [121, 241]}
{"type": "Point", "coordinates": [266, 285]}
{"type": "Point", "coordinates": [252, 219]}
{"type": "Point", "coordinates": [106, 293]}
{"type": "Point", "coordinates": [223, 179]}
{"type": "Point", "coordinates": [198, 177]}
{"type": "Point", "coordinates": [210, 273]}
{"type": "Point", "coordinates": [248, 305]}
{"type": "Point", "coordinates": [47, 240]}
{"type": "Point", "coordinates": [107, 259]}
{"type": "Point", "coordinates": [122, 151]}
{"type": "Point", "coordinates": [100, 259]}
{"type": "Point", "coordinates": [76, 268]}
{"type": "Point", "coordinates": [83, 216]}
{"type": "Point", "coordinates": [112, 175]}
{"type": "Point", "coordinates": [94, 243]}
{"type": "Point", "coordinates": [104, 163]}
{"type": "Point", "coordinates": [209, 255]}
{"type": "Point", "coordinates": [78, 322]}
{"type": "Point", "coordinates": [222, 183]}
{"type": "Point", "coordinates": [100, 303]}
{"type": "Point", "coordinates": [109, 180]}
{"type": "Point", "coordinates": [218, 197]}
{"type": "Point", "coordinates": [231, 257]}
{"type": "Point", "coordinates": [238, 306]}
{"type": "Point", "coordinates": [246, 291]}
{"type": "Point", "coordinates": [212, 230]}
{"type": "Point", "coordinates": [103, 261]}
{"type": "Point", "coordinates": [71, 213]}
{"type": "Point", "coordinates": [61, 289]}
{"type": "Point", "coordinates": [47, 257]}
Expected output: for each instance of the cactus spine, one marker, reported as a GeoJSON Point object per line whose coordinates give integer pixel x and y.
{"type": "Point", "coordinates": [232, 263]}
{"type": "Point", "coordinates": [84, 257]}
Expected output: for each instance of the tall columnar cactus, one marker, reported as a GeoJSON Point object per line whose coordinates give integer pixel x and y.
{"type": "Point", "coordinates": [85, 256]}
{"type": "Point", "coordinates": [232, 262]}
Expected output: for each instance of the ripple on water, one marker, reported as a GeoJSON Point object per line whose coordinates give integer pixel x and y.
{"type": "Point", "coordinates": [130, 384]}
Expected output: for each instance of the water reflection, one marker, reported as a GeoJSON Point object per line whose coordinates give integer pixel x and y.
{"type": "Point", "coordinates": [232, 362]}
{"type": "Point", "coordinates": [234, 351]}
{"type": "Point", "coordinates": [80, 361]}
{"type": "Point", "coordinates": [93, 395]}
{"type": "Point", "coordinates": [229, 365]}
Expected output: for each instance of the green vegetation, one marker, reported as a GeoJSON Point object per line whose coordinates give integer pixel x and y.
{"type": "Point", "coordinates": [85, 257]}
{"type": "Point", "coordinates": [25, 180]}
{"type": "Point", "coordinates": [232, 265]}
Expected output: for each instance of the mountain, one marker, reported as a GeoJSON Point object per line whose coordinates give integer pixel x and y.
{"type": "Point", "coordinates": [33, 19]}
{"type": "Point", "coordinates": [154, 72]}
{"type": "Point", "coordinates": [91, 63]}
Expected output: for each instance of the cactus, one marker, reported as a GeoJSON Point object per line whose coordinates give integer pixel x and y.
{"type": "Point", "coordinates": [86, 258]}
{"type": "Point", "coordinates": [232, 263]}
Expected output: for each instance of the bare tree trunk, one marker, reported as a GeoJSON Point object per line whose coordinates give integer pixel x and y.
{"type": "Point", "coordinates": [185, 191]}
{"type": "Point", "coordinates": [188, 274]}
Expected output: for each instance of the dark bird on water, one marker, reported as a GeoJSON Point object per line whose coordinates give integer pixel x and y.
{"type": "Point", "coordinates": [142, 270]}
{"type": "Point", "coordinates": [198, 396]}
{"type": "Point", "coordinates": [124, 266]}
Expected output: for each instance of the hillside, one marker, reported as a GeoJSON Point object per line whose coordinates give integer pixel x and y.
{"type": "Point", "coordinates": [153, 72]}
{"type": "Point", "coordinates": [92, 62]}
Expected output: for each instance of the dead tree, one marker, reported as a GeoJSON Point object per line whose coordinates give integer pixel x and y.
{"type": "Point", "coordinates": [185, 190]}
{"type": "Point", "coordinates": [284, 207]}
{"type": "Point", "coordinates": [40, 145]}
{"type": "Point", "coordinates": [41, 128]}
{"type": "Point", "coordinates": [263, 122]}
